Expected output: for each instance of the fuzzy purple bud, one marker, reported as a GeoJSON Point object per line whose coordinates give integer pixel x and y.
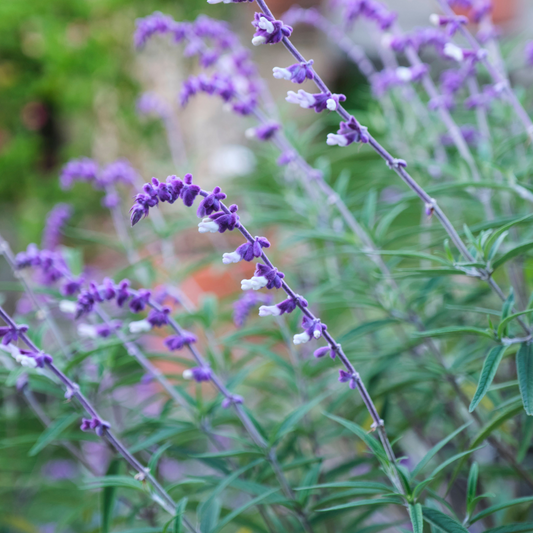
{"type": "Point", "coordinates": [199, 373]}
{"type": "Point", "coordinates": [177, 342]}
{"type": "Point", "coordinates": [139, 301]}
{"type": "Point", "coordinates": [296, 73]}
{"type": "Point", "coordinates": [56, 219]}
{"type": "Point", "coordinates": [269, 30]}
{"type": "Point", "coordinates": [234, 399]}
{"type": "Point", "coordinates": [211, 203]}
{"type": "Point", "coordinates": [83, 169]}
{"type": "Point", "coordinates": [159, 318]}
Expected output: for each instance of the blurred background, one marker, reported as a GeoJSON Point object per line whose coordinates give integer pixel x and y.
{"type": "Point", "coordinates": [70, 78]}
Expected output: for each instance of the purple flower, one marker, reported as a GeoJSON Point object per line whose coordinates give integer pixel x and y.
{"type": "Point", "coordinates": [264, 132]}
{"type": "Point", "coordinates": [370, 9]}
{"type": "Point", "coordinates": [246, 251]}
{"type": "Point", "coordinates": [321, 352]}
{"type": "Point", "coordinates": [177, 342]}
{"type": "Point", "coordinates": [30, 258]}
{"type": "Point", "coordinates": [264, 276]}
{"type": "Point", "coordinates": [41, 359]}
{"type": "Point", "coordinates": [469, 133]}
{"type": "Point", "coordinates": [139, 301]}
{"type": "Point", "coordinates": [452, 24]}
{"type": "Point", "coordinates": [287, 306]}
{"type": "Point", "coordinates": [233, 399]}
{"type": "Point", "coordinates": [159, 318]}
{"type": "Point", "coordinates": [244, 305]}
{"type": "Point", "coordinates": [345, 377]}
{"type": "Point", "coordinates": [189, 191]}
{"type": "Point", "coordinates": [199, 373]}
{"type": "Point", "coordinates": [220, 221]}
{"type": "Point", "coordinates": [318, 102]}
{"type": "Point", "coordinates": [105, 330]}
{"type": "Point", "coordinates": [286, 157]}
{"type": "Point", "coordinates": [485, 98]}
{"type": "Point", "coordinates": [120, 171]}
{"type": "Point", "coordinates": [154, 23]}
{"type": "Point", "coordinates": [269, 30]}
{"type": "Point", "coordinates": [151, 104]}
{"type": "Point", "coordinates": [11, 334]}
{"type": "Point", "coordinates": [94, 423]}
{"type": "Point", "coordinates": [349, 133]}
{"type": "Point", "coordinates": [480, 10]}
{"type": "Point", "coordinates": [83, 169]}
{"type": "Point", "coordinates": [313, 329]}
{"type": "Point", "coordinates": [122, 292]}
{"type": "Point", "coordinates": [85, 303]}
{"type": "Point", "coordinates": [55, 221]}
{"type": "Point", "coordinates": [529, 53]}
{"type": "Point", "coordinates": [445, 101]}
{"type": "Point", "coordinates": [296, 73]}
{"type": "Point", "coordinates": [211, 203]}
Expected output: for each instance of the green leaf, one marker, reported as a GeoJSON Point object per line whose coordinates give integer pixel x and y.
{"type": "Point", "coordinates": [512, 253]}
{"type": "Point", "coordinates": [180, 511]}
{"type": "Point", "coordinates": [152, 464]}
{"type": "Point", "coordinates": [443, 521]}
{"type": "Point", "coordinates": [451, 330]}
{"type": "Point", "coordinates": [293, 418]}
{"type": "Point", "coordinates": [524, 369]}
{"type": "Point", "coordinates": [525, 527]}
{"type": "Point", "coordinates": [417, 518]}
{"type": "Point", "coordinates": [452, 459]}
{"type": "Point", "coordinates": [109, 495]}
{"type": "Point", "coordinates": [124, 482]}
{"type": "Point", "coordinates": [414, 255]}
{"type": "Point", "coordinates": [52, 432]}
{"type": "Point", "coordinates": [503, 229]}
{"type": "Point", "coordinates": [472, 486]}
{"type": "Point", "coordinates": [427, 272]}
{"type": "Point", "coordinates": [499, 507]}
{"type": "Point", "coordinates": [496, 422]}
{"type": "Point", "coordinates": [421, 486]}
{"type": "Point", "coordinates": [490, 366]}
{"type": "Point", "coordinates": [363, 485]}
{"type": "Point", "coordinates": [360, 503]}
{"type": "Point", "coordinates": [366, 328]}
{"type": "Point", "coordinates": [228, 518]}
{"type": "Point", "coordinates": [373, 444]}
{"type": "Point", "coordinates": [496, 245]}
{"type": "Point", "coordinates": [502, 325]}
{"type": "Point", "coordinates": [429, 455]}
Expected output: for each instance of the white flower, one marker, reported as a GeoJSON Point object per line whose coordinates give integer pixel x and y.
{"type": "Point", "coordinates": [331, 104]}
{"type": "Point", "coordinates": [300, 338]}
{"type": "Point", "coordinates": [317, 334]}
{"type": "Point", "coordinates": [187, 374]}
{"type": "Point", "coordinates": [250, 133]}
{"type": "Point", "coordinates": [207, 226]}
{"type": "Point", "coordinates": [302, 98]}
{"type": "Point", "coordinates": [269, 310]}
{"type": "Point", "coordinates": [67, 306]}
{"type": "Point", "coordinates": [140, 326]}
{"type": "Point", "coordinates": [281, 73]}
{"type": "Point", "coordinates": [259, 39]}
{"type": "Point", "coordinates": [434, 19]}
{"type": "Point", "coordinates": [233, 257]}
{"type": "Point", "coordinates": [334, 139]}
{"type": "Point", "coordinates": [87, 331]}
{"type": "Point", "coordinates": [453, 51]}
{"type": "Point", "coordinates": [20, 358]}
{"type": "Point", "coordinates": [404, 74]}
{"type": "Point", "coordinates": [266, 25]}
{"type": "Point", "coordinates": [255, 283]}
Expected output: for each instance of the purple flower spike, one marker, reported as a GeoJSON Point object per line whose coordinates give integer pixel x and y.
{"type": "Point", "coordinates": [9, 334]}
{"type": "Point", "coordinates": [159, 318]}
{"type": "Point", "coordinates": [83, 169]}
{"type": "Point", "coordinates": [247, 251]}
{"type": "Point", "coordinates": [318, 102]}
{"type": "Point", "coordinates": [244, 305]}
{"type": "Point", "coordinates": [30, 258]}
{"type": "Point", "coordinates": [321, 352]}
{"type": "Point", "coordinates": [140, 301]}
{"type": "Point", "coordinates": [345, 377]}
{"type": "Point", "coordinates": [349, 133]}
{"type": "Point", "coordinates": [123, 293]}
{"type": "Point", "coordinates": [220, 221]}
{"type": "Point", "coordinates": [269, 30]}
{"type": "Point", "coordinates": [296, 73]}
{"type": "Point", "coordinates": [154, 23]}
{"type": "Point", "coordinates": [211, 203]}
{"type": "Point", "coordinates": [199, 374]}
{"type": "Point", "coordinates": [189, 191]}
{"type": "Point", "coordinates": [56, 219]}
{"type": "Point", "coordinates": [177, 342]}
{"type": "Point", "coordinates": [95, 423]}
{"type": "Point", "coordinates": [234, 399]}
{"type": "Point", "coordinates": [119, 171]}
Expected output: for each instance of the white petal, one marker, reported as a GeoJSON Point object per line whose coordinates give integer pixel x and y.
{"type": "Point", "coordinates": [187, 374]}
{"type": "Point", "coordinates": [317, 334]}
{"type": "Point", "coordinates": [250, 133]}
{"type": "Point", "coordinates": [334, 139]}
{"type": "Point", "coordinates": [207, 226]}
{"type": "Point", "coordinates": [454, 52]}
{"type": "Point", "coordinates": [434, 19]}
{"type": "Point", "coordinates": [300, 338]}
{"type": "Point", "coordinates": [331, 104]}
{"type": "Point", "coordinates": [266, 25]}
{"type": "Point", "coordinates": [259, 39]}
{"type": "Point", "coordinates": [269, 310]}
{"type": "Point", "coordinates": [281, 73]}
{"type": "Point", "coordinates": [141, 326]}
{"type": "Point", "coordinates": [404, 73]}
{"type": "Point", "coordinates": [233, 257]}
{"type": "Point", "coordinates": [258, 282]}
{"type": "Point", "coordinates": [87, 331]}
{"type": "Point", "coordinates": [68, 307]}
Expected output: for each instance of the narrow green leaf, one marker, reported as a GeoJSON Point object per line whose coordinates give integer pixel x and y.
{"type": "Point", "coordinates": [496, 422]}
{"type": "Point", "coordinates": [414, 255]}
{"type": "Point", "coordinates": [500, 506]}
{"type": "Point", "coordinates": [109, 495]}
{"type": "Point", "coordinates": [152, 464]}
{"type": "Point", "coordinates": [366, 328]}
{"type": "Point", "coordinates": [124, 482]}
{"type": "Point", "coordinates": [443, 521]}
{"type": "Point", "coordinates": [490, 366]}
{"type": "Point", "coordinates": [524, 368]}
{"type": "Point", "coordinates": [503, 229]}
{"type": "Point", "coordinates": [361, 503]}
{"type": "Point", "coordinates": [505, 321]}
{"type": "Point", "coordinates": [451, 330]}
{"type": "Point", "coordinates": [364, 485]}
{"type": "Point", "coordinates": [429, 455]}
{"type": "Point", "coordinates": [421, 486]}
{"type": "Point", "coordinates": [228, 518]}
{"type": "Point", "coordinates": [525, 527]}
{"type": "Point", "coordinates": [52, 432]}
{"type": "Point", "coordinates": [180, 511]}
{"type": "Point", "coordinates": [512, 253]}
{"type": "Point", "coordinates": [472, 485]}
{"type": "Point", "coordinates": [496, 245]}
{"type": "Point", "coordinates": [417, 518]}
{"type": "Point", "coordinates": [452, 459]}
